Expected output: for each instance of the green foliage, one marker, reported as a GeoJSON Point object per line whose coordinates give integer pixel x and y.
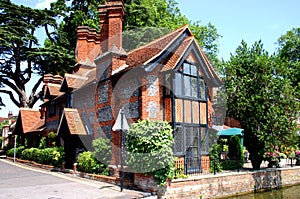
{"type": "Point", "coordinates": [102, 150]}
{"type": "Point", "coordinates": [149, 145]}
{"type": "Point", "coordinates": [289, 49]}
{"type": "Point", "coordinates": [50, 156]}
{"type": "Point", "coordinates": [144, 21]}
{"type": "Point", "coordinates": [30, 154]}
{"type": "Point", "coordinates": [230, 164]}
{"type": "Point", "coordinates": [43, 143]}
{"type": "Point", "coordinates": [19, 150]}
{"type": "Point", "coordinates": [89, 164]}
{"type": "Point", "coordinates": [235, 151]}
{"type": "Point", "coordinates": [20, 50]}
{"type": "Point", "coordinates": [214, 156]}
{"type": "Point", "coordinates": [261, 98]}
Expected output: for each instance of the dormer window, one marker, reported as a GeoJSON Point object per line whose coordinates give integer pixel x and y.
{"type": "Point", "coordinates": [69, 100]}
{"type": "Point", "coordinates": [52, 109]}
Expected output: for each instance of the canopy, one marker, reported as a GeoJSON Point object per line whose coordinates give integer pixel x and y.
{"type": "Point", "coordinates": [231, 132]}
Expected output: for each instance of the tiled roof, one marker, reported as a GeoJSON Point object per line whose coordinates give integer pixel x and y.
{"type": "Point", "coordinates": [74, 121]}
{"type": "Point", "coordinates": [83, 69]}
{"type": "Point", "coordinates": [75, 81]}
{"type": "Point", "coordinates": [53, 89]}
{"type": "Point", "coordinates": [80, 78]}
{"type": "Point", "coordinates": [175, 57]}
{"type": "Point", "coordinates": [30, 120]}
{"type": "Point", "coordinates": [143, 54]}
{"type": "Point", "coordinates": [209, 66]}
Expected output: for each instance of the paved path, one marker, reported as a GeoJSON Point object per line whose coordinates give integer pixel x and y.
{"type": "Point", "coordinates": [21, 181]}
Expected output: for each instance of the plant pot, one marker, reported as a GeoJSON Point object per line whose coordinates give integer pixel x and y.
{"type": "Point", "coordinates": [298, 161]}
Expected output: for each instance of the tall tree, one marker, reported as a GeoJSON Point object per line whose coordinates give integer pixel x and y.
{"type": "Point", "coordinates": [144, 21]}
{"type": "Point", "coordinates": [261, 98]}
{"type": "Point", "coordinates": [20, 52]}
{"type": "Point", "coordinates": [289, 49]}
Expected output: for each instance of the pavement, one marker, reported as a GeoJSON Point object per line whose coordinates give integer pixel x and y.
{"type": "Point", "coordinates": [23, 181]}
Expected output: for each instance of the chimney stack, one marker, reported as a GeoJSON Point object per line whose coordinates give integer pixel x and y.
{"type": "Point", "coordinates": [10, 114]}
{"type": "Point", "coordinates": [88, 45]}
{"type": "Point", "coordinates": [111, 17]}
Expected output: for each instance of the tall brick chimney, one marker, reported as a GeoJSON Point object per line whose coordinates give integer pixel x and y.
{"type": "Point", "coordinates": [88, 45]}
{"type": "Point", "coordinates": [111, 17]}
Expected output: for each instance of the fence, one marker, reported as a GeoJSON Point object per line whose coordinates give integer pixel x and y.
{"type": "Point", "coordinates": [195, 166]}
{"type": "Point", "coordinates": [192, 166]}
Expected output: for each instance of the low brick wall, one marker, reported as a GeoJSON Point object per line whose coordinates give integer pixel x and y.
{"type": "Point", "coordinates": [221, 185]}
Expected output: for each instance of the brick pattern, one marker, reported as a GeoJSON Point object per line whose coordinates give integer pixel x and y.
{"type": "Point", "coordinates": [179, 110]}
{"type": "Point", "coordinates": [195, 108]}
{"type": "Point", "coordinates": [187, 111]}
{"type": "Point", "coordinates": [203, 113]}
{"type": "Point", "coordinates": [217, 186]}
{"type": "Point", "coordinates": [168, 109]}
{"type": "Point", "coordinates": [88, 45]}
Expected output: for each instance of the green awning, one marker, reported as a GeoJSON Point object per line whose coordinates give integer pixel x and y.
{"type": "Point", "coordinates": [231, 132]}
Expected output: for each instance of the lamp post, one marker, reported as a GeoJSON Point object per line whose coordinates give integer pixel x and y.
{"type": "Point", "coordinates": [121, 124]}
{"type": "Point", "coordinates": [122, 149]}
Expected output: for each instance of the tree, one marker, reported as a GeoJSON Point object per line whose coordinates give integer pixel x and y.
{"type": "Point", "coordinates": [21, 55]}
{"type": "Point", "coordinates": [261, 98]}
{"type": "Point", "coordinates": [144, 21]}
{"type": "Point", "coordinates": [289, 49]}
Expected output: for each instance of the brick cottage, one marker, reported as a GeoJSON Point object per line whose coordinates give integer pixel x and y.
{"type": "Point", "coordinates": [167, 79]}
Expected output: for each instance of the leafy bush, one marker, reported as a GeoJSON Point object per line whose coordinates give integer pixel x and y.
{"type": "Point", "coordinates": [50, 156]}
{"type": "Point", "coordinates": [214, 155]}
{"type": "Point", "coordinates": [89, 164]}
{"type": "Point", "coordinates": [19, 150]}
{"type": "Point", "coordinates": [230, 164]}
{"type": "Point", "coordinates": [102, 150]}
{"type": "Point", "coordinates": [29, 154]}
{"type": "Point", "coordinates": [149, 145]}
{"type": "Point", "coordinates": [235, 151]}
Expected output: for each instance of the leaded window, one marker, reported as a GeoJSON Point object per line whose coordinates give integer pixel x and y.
{"type": "Point", "coordinates": [190, 115]}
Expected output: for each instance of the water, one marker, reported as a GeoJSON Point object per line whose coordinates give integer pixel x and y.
{"type": "Point", "coordinates": [284, 193]}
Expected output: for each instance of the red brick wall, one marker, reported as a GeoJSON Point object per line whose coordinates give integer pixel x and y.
{"type": "Point", "coordinates": [220, 185]}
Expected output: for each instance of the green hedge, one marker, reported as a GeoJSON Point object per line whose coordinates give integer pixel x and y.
{"type": "Point", "coordinates": [19, 150]}
{"type": "Point", "coordinates": [50, 156]}
{"type": "Point", "coordinates": [89, 164]}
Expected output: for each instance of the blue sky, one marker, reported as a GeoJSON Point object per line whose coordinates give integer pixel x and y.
{"type": "Point", "coordinates": [250, 20]}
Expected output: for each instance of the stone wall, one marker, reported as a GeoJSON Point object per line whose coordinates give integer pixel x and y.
{"type": "Point", "coordinates": [220, 185]}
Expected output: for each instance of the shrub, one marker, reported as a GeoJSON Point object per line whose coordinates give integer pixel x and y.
{"type": "Point", "coordinates": [102, 150]}
{"type": "Point", "coordinates": [51, 156]}
{"type": "Point", "coordinates": [29, 154]}
{"type": "Point", "coordinates": [230, 164]}
{"type": "Point", "coordinates": [214, 155]}
{"type": "Point", "coordinates": [89, 164]}
{"type": "Point", "coordinates": [149, 145]}
{"type": "Point", "coordinates": [235, 151]}
{"type": "Point", "coordinates": [19, 150]}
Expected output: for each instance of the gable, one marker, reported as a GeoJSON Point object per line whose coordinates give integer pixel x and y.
{"type": "Point", "coordinates": [29, 121]}
{"type": "Point", "coordinates": [71, 120]}
{"type": "Point", "coordinates": [195, 55]}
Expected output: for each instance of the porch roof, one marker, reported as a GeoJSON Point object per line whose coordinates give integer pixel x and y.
{"type": "Point", "coordinates": [71, 119]}
{"type": "Point", "coordinates": [29, 120]}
